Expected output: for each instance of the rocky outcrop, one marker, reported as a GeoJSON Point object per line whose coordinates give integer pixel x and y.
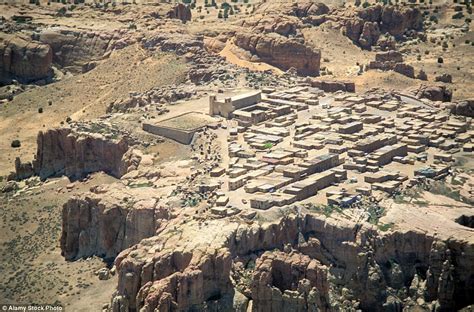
{"type": "Point", "coordinates": [66, 152]}
{"type": "Point", "coordinates": [366, 26]}
{"type": "Point", "coordinates": [63, 152]}
{"type": "Point", "coordinates": [104, 224]}
{"type": "Point", "coordinates": [76, 48]}
{"type": "Point", "coordinates": [447, 78]}
{"type": "Point", "coordinates": [433, 93]}
{"type": "Point", "coordinates": [309, 8]}
{"type": "Point", "coordinates": [275, 23]}
{"type": "Point", "coordinates": [289, 282]}
{"type": "Point", "coordinates": [392, 60]}
{"type": "Point", "coordinates": [319, 263]}
{"type": "Point", "coordinates": [280, 52]}
{"type": "Point", "coordinates": [463, 108]}
{"type": "Point", "coordinates": [215, 44]}
{"type": "Point", "coordinates": [181, 12]}
{"type": "Point", "coordinates": [156, 96]}
{"type": "Point", "coordinates": [23, 59]}
{"type": "Point", "coordinates": [369, 35]}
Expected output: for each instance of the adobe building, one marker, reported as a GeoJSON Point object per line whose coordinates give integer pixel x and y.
{"type": "Point", "coordinates": [180, 128]}
{"type": "Point", "coordinates": [230, 104]}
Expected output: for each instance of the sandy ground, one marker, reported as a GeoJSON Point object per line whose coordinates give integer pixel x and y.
{"type": "Point", "coordinates": [81, 97]}
{"type": "Point", "coordinates": [33, 269]}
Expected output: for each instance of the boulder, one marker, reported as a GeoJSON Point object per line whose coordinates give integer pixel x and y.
{"type": "Point", "coordinates": [392, 60]}
{"type": "Point", "coordinates": [464, 108]}
{"type": "Point", "coordinates": [103, 274]}
{"type": "Point", "coordinates": [422, 75]}
{"type": "Point", "coordinates": [10, 186]}
{"type": "Point", "coordinates": [65, 152]}
{"type": "Point", "coordinates": [215, 44]}
{"type": "Point", "coordinates": [369, 35]}
{"type": "Point", "coordinates": [404, 69]}
{"type": "Point", "coordinates": [433, 92]}
{"type": "Point", "coordinates": [309, 8]}
{"type": "Point", "coordinates": [447, 78]}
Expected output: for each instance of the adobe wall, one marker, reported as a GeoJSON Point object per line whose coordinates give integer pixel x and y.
{"type": "Point", "coordinates": [181, 136]}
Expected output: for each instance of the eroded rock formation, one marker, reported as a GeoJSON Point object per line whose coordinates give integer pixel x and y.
{"type": "Point", "coordinates": [433, 92]}
{"type": "Point", "coordinates": [281, 52]}
{"type": "Point", "coordinates": [367, 24]}
{"type": "Point", "coordinates": [62, 152]}
{"type": "Point", "coordinates": [104, 225]}
{"type": "Point", "coordinates": [66, 152]}
{"type": "Point", "coordinates": [319, 262]}
{"type": "Point", "coordinates": [23, 59]}
{"type": "Point", "coordinates": [464, 108]}
{"type": "Point", "coordinates": [392, 60]}
{"type": "Point", "coordinates": [180, 11]}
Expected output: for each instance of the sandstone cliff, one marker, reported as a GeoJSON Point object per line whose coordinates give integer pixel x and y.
{"type": "Point", "coordinates": [24, 59]}
{"type": "Point", "coordinates": [94, 224]}
{"type": "Point", "coordinates": [367, 24]}
{"type": "Point", "coordinates": [280, 52]}
{"type": "Point", "coordinates": [67, 152]}
{"type": "Point", "coordinates": [294, 265]}
{"type": "Point", "coordinates": [180, 11]}
{"type": "Point", "coordinates": [63, 152]}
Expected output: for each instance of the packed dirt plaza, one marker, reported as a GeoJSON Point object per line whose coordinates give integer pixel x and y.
{"type": "Point", "coordinates": [204, 155]}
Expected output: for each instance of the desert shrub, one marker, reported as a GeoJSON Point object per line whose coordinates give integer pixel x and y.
{"type": "Point", "coordinates": [61, 11]}
{"type": "Point", "coordinates": [268, 145]}
{"type": "Point", "coordinates": [40, 110]}
{"type": "Point", "coordinates": [16, 143]}
{"type": "Point", "coordinates": [385, 227]}
{"type": "Point", "coordinates": [440, 60]}
{"type": "Point", "coordinates": [225, 5]}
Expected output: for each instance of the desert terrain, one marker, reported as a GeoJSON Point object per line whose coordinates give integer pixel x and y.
{"type": "Point", "coordinates": [241, 155]}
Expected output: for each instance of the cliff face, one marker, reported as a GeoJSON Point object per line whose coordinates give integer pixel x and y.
{"type": "Point", "coordinates": [94, 225]}
{"type": "Point", "coordinates": [24, 60]}
{"type": "Point", "coordinates": [180, 11]}
{"type": "Point", "coordinates": [74, 48]}
{"type": "Point", "coordinates": [281, 52]}
{"type": "Point", "coordinates": [64, 152]}
{"type": "Point", "coordinates": [366, 26]}
{"type": "Point", "coordinates": [318, 262]}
